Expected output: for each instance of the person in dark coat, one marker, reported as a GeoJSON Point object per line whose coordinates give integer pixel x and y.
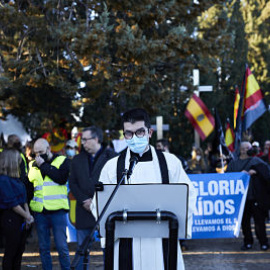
{"type": "Point", "coordinates": [85, 172]}
{"type": "Point", "coordinates": [258, 199]}
{"type": "Point", "coordinates": [15, 217]}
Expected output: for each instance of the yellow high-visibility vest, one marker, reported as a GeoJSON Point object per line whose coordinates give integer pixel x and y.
{"type": "Point", "coordinates": [25, 162]}
{"type": "Point", "coordinates": [47, 193]}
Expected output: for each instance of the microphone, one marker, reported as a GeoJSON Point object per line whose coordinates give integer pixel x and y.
{"type": "Point", "coordinates": [132, 163]}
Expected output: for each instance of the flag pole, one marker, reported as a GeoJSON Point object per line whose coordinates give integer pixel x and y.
{"type": "Point", "coordinates": [238, 129]}
{"type": "Point", "coordinates": [222, 160]}
{"type": "Point", "coordinates": [196, 83]}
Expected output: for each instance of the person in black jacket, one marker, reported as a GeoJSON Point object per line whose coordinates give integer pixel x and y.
{"type": "Point", "coordinates": [15, 217]}
{"type": "Point", "coordinates": [85, 171]}
{"type": "Point", "coordinates": [258, 200]}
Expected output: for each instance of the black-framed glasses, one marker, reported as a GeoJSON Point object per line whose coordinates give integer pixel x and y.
{"type": "Point", "coordinates": [139, 133]}
{"type": "Point", "coordinates": [87, 139]}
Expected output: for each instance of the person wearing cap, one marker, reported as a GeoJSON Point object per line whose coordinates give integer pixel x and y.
{"type": "Point", "coordinates": [255, 150]}
{"type": "Point", "coordinates": [71, 148]}
{"type": "Point", "coordinates": [255, 144]}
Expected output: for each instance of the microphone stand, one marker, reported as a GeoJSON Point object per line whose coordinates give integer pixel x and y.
{"type": "Point", "coordinates": [84, 248]}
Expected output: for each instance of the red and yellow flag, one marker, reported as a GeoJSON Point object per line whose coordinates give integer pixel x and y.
{"type": "Point", "coordinates": [78, 140]}
{"type": "Point", "coordinates": [57, 139]}
{"type": "Point", "coordinates": [229, 136]}
{"type": "Point", "coordinates": [236, 106]}
{"type": "Point", "coordinates": [254, 105]}
{"type": "Point", "coordinates": [200, 117]}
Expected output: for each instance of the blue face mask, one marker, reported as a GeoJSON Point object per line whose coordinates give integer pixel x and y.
{"type": "Point", "coordinates": [137, 145]}
{"type": "Point", "coordinates": [70, 152]}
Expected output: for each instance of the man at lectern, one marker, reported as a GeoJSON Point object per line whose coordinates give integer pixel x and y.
{"type": "Point", "coordinates": [145, 253]}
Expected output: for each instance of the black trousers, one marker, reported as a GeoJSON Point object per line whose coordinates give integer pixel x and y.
{"type": "Point", "coordinates": [15, 238]}
{"type": "Point", "coordinates": [252, 209]}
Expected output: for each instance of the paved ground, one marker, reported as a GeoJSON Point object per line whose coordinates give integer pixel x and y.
{"type": "Point", "coordinates": [224, 254]}
{"type": "Point", "coordinates": [203, 254]}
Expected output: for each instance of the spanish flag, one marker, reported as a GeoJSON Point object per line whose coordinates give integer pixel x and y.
{"type": "Point", "coordinates": [200, 117]}
{"type": "Point", "coordinates": [78, 140]}
{"type": "Point", "coordinates": [57, 139]}
{"type": "Point", "coordinates": [236, 106]}
{"type": "Point", "coordinates": [254, 106]}
{"type": "Point", "coordinates": [229, 136]}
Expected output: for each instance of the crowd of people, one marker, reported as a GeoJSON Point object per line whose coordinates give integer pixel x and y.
{"type": "Point", "coordinates": [33, 190]}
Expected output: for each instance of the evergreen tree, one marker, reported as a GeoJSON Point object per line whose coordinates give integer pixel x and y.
{"type": "Point", "coordinates": [126, 53]}
{"type": "Point", "coordinates": [96, 59]}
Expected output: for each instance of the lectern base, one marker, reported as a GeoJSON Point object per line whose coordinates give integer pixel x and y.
{"type": "Point", "coordinates": [171, 260]}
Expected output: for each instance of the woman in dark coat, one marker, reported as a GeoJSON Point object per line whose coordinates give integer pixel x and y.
{"type": "Point", "coordinates": [15, 215]}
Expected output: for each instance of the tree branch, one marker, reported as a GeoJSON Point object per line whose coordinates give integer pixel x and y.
{"type": "Point", "coordinates": [41, 62]}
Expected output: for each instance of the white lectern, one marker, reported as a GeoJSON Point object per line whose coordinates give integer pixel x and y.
{"type": "Point", "coordinates": [144, 210]}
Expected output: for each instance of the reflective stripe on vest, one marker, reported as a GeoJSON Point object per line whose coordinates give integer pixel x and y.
{"type": "Point", "coordinates": [36, 199]}
{"type": "Point", "coordinates": [47, 194]}
{"type": "Point", "coordinates": [25, 162]}
{"type": "Point", "coordinates": [48, 184]}
{"type": "Point", "coordinates": [55, 197]}
{"type": "Point", "coordinates": [37, 188]}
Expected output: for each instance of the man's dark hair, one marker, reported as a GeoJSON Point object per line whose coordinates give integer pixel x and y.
{"type": "Point", "coordinates": [164, 142]}
{"type": "Point", "coordinates": [136, 115]}
{"type": "Point", "coordinates": [96, 132]}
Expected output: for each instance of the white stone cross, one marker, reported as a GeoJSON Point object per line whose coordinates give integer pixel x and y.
{"type": "Point", "coordinates": [200, 88]}
{"type": "Point", "coordinates": [159, 127]}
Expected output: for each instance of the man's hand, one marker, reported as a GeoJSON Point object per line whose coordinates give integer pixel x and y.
{"type": "Point", "coordinates": [252, 172]}
{"type": "Point", "coordinates": [86, 204]}
{"type": "Point", "coordinates": [39, 160]}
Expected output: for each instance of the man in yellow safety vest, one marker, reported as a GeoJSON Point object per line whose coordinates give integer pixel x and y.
{"type": "Point", "coordinates": [49, 173]}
